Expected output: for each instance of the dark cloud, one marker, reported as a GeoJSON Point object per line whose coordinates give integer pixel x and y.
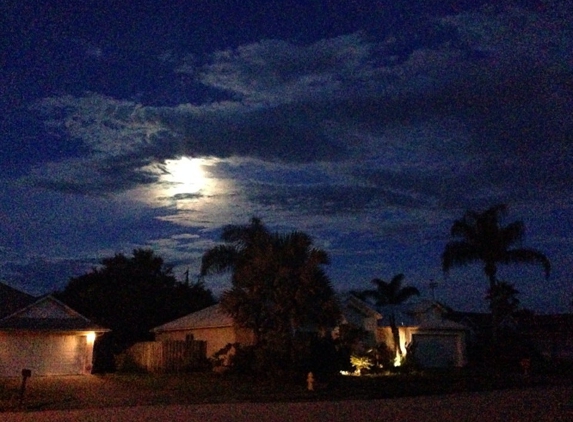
{"type": "Point", "coordinates": [25, 275]}
{"type": "Point", "coordinates": [283, 97]}
{"type": "Point", "coordinates": [360, 136]}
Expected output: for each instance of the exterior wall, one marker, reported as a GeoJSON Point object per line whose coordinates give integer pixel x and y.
{"type": "Point", "coordinates": [384, 335]}
{"type": "Point", "coordinates": [244, 336]}
{"type": "Point", "coordinates": [45, 354]}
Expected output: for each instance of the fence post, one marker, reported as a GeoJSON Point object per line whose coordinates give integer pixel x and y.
{"type": "Point", "coordinates": [26, 373]}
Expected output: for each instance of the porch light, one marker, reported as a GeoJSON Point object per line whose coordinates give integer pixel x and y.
{"type": "Point", "coordinates": [91, 336]}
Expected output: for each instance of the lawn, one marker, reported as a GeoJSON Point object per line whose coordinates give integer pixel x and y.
{"type": "Point", "coordinates": [73, 392]}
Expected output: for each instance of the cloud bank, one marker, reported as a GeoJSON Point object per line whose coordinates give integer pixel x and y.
{"type": "Point", "coordinates": [354, 134]}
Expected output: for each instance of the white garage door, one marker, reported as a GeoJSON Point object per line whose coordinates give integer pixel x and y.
{"type": "Point", "coordinates": [436, 351]}
{"type": "Point", "coordinates": [51, 354]}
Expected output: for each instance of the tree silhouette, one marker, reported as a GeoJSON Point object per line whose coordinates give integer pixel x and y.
{"type": "Point", "coordinates": [503, 298]}
{"type": "Point", "coordinates": [278, 283]}
{"type": "Point", "coordinates": [480, 237]}
{"type": "Point", "coordinates": [390, 294]}
{"type": "Point", "coordinates": [131, 295]}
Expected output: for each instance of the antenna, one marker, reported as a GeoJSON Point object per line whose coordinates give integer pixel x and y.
{"type": "Point", "coordinates": [433, 286]}
{"type": "Point", "coordinates": [187, 276]}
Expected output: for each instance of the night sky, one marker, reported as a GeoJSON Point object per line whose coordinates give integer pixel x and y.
{"type": "Point", "coordinates": [370, 125]}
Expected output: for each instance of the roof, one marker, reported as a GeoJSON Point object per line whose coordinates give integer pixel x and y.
{"type": "Point", "coordinates": [211, 317]}
{"type": "Point", "coordinates": [422, 314]}
{"type": "Point", "coordinates": [474, 320]}
{"type": "Point", "coordinates": [11, 300]}
{"type": "Point", "coordinates": [361, 306]}
{"type": "Point", "coordinates": [49, 324]}
{"type": "Point", "coordinates": [402, 319]}
{"type": "Point", "coordinates": [525, 321]}
{"type": "Point", "coordinates": [47, 314]}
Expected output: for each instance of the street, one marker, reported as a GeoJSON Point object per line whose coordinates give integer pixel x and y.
{"type": "Point", "coordinates": [533, 404]}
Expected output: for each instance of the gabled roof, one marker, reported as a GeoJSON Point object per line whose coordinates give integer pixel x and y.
{"type": "Point", "coordinates": [361, 306]}
{"type": "Point", "coordinates": [402, 318]}
{"type": "Point", "coordinates": [422, 314]}
{"type": "Point", "coordinates": [524, 321]}
{"type": "Point", "coordinates": [473, 320]}
{"type": "Point", "coordinates": [47, 314]}
{"type": "Point", "coordinates": [11, 300]}
{"type": "Point", "coordinates": [211, 317]}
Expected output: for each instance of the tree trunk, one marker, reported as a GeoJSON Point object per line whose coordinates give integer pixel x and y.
{"type": "Point", "coordinates": [491, 271]}
{"type": "Point", "coordinates": [396, 336]}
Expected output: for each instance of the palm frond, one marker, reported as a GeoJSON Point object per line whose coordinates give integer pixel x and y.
{"type": "Point", "coordinates": [244, 234]}
{"type": "Point", "coordinates": [457, 253]}
{"type": "Point", "coordinates": [512, 233]}
{"type": "Point", "coordinates": [395, 284]}
{"type": "Point", "coordinates": [527, 256]}
{"type": "Point", "coordinates": [406, 293]}
{"type": "Point", "coordinates": [463, 229]}
{"type": "Point", "coordinates": [219, 259]}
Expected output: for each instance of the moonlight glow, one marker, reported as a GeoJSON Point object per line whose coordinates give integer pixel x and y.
{"type": "Point", "coordinates": [184, 176]}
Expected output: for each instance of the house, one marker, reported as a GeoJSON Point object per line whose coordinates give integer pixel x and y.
{"type": "Point", "coordinates": [437, 342]}
{"type": "Point", "coordinates": [211, 324]}
{"type": "Point", "coordinates": [550, 335]}
{"type": "Point", "coordinates": [43, 335]}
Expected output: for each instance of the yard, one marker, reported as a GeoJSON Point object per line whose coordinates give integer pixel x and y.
{"type": "Point", "coordinates": [110, 390]}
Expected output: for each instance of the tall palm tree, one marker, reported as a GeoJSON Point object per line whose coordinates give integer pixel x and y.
{"type": "Point", "coordinates": [278, 284]}
{"type": "Point", "coordinates": [503, 298]}
{"type": "Point", "coordinates": [390, 294]}
{"type": "Point", "coordinates": [480, 237]}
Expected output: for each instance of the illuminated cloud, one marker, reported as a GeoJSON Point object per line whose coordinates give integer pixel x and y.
{"type": "Point", "coordinates": [345, 99]}
{"type": "Point", "coordinates": [368, 142]}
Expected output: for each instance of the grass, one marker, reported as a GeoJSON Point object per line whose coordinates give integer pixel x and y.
{"type": "Point", "coordinates": [205, 387]}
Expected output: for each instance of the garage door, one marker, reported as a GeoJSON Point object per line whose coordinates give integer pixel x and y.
{"type": "Point", "coordinates": [44, 354]}
{"type": "Point", "coordinates": [435, 351]}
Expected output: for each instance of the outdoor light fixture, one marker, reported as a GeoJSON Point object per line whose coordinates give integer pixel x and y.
{"type": "Point", "coordinates": [91, 336]}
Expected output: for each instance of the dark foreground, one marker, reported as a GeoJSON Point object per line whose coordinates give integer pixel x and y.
{"type": "Point", "coordinates": [530, 404]}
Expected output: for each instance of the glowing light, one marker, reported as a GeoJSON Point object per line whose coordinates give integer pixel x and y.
{"type": "Point", "coordinates": [191, 185]}
{"type": "Point", "coordinates": [183, 176]}
{"type": "Point", "coordinates": [91, 337]}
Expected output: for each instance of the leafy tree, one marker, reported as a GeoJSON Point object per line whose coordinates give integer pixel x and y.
{"type": "Point", "coordinates": [390, 294]}
{"type": "Point", "coordinates": [131, 295]}
{"type": "Point", "coordinates": [278, 283]}
{"type": "Point", "coordinates": [480, 237]}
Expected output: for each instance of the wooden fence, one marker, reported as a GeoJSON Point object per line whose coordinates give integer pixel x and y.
{"type": "Point", "coordinates": [164, 356]}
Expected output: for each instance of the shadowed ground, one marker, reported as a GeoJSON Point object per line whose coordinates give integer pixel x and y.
{"type": "Point", "coordinates": [210, 397]}
{"type": "Point", "coordinates": [532, 404]}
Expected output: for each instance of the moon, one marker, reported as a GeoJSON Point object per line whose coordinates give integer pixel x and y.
{"type": "Point", "coordinates": [183, 176]}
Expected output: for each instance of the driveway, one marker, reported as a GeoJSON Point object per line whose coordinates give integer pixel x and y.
{"type": "Point", "coordinates": [553, 404]}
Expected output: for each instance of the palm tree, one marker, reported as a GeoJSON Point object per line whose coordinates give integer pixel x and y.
{"type": "Point", "coordinates": [390, 294]}
{"type": "Point", "coordinates": [503, 298]}
{"type": "Point", "coordinates": [278, 284]}
{"type": "Point", "coordinates": [482, 238]}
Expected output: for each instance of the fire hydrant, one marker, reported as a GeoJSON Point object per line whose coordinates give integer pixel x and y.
{"type": "Point", "coordinates": [525, 365]}
{"type": "Point", "coordinates": [310, 381]}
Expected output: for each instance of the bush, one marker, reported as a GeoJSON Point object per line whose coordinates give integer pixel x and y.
{"type": "Point", "coordinates": [283, 359]}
